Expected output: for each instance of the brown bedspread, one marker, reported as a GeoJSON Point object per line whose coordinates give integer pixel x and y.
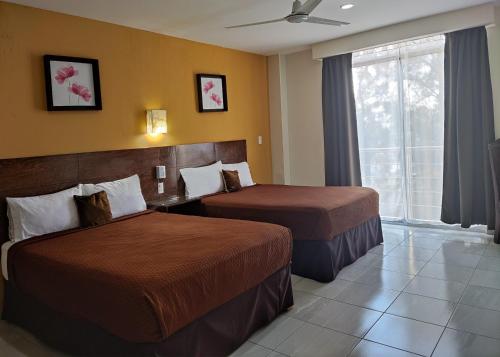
{"type": "Point", "coordinates": [144, 277]}
{"type": "Point", "coordinates": [312, 213]}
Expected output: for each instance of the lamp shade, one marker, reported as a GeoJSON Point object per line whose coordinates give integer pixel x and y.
{"type": "Point", "coordinates": [156, 121]}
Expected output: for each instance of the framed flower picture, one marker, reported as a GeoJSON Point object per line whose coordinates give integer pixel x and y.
{"type": "Point", "coordinates": [212, 94]}
{"type": "Point", "coordinates": [72, 83]}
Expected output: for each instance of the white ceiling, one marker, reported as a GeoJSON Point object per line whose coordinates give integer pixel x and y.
{"type": "Point", "coordinates": [204, 20]}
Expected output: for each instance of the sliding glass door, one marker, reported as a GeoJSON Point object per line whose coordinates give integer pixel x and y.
{"type": "Point", "coordinates": [399, 104]}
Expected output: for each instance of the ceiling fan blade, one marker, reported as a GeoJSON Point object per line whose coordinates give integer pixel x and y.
{"type": "Point", "coordinates": [309, 6]}
{"type": "Point", "coordinates": [319, 20]}
{"type": "Point", "coordinates": [256, 23]}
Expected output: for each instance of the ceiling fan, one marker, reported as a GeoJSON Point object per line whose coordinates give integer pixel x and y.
{"type": "Point", "coordinates": [300, 13]}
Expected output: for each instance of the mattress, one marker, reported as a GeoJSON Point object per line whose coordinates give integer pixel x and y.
{"type": "Point", "coordinates": [312, 213]}
{"type": "Point", "coordinates": [143, 278]}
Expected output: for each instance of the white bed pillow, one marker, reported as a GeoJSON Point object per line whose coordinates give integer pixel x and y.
{"type": "Point", "coordinates": [203, 180]}
{"type": "Point", "coordinates": [243, 172]}
{"type": "Point", "coordinates": [125, 195]}
{"type": "Point", "coordinates": [38, 215]}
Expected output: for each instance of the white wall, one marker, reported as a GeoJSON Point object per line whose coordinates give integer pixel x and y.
{"type": "Point", "coordinates": [278, 118]}
{"type": "Point", "coordinates": [494, 49]}
{"type": "Point", "coordinates": [475, 16]}
{"type": "Point", "coordinates": [302, 91]}
{"type": "Point", "coordinates": [305, 119]}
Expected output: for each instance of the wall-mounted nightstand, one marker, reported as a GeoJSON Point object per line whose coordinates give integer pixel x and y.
{"type": "Point", "coordinates": [177, 204]}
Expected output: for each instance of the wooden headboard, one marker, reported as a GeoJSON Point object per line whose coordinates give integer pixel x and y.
{"type": "Point", "coordinates": [47, 174]}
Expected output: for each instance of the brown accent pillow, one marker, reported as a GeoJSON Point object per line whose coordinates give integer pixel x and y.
{"type": "Point", "coordinates": [231, 180]}
{"type": "Point", "coordinates": [93, 210]}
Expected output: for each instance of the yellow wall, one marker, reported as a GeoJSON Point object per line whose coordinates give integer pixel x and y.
{"type": "Point", "coordinates": [139, 70]}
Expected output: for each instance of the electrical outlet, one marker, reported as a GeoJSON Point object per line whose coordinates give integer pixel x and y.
{"type": "Point", "coordinates": [160, 188]}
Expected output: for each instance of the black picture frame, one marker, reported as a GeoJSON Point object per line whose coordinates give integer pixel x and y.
{"type": "Point", "coordinates": [201, 108]}
{"type": "Point", "coordinates": [47, 59]}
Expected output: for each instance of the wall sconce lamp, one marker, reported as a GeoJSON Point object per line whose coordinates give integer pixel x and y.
{"type": "Point", "coordinates": [156, 121]}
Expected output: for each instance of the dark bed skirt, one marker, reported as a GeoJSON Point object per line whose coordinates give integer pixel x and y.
{"type": "Point", "coordinates": [218, 333]}
{"type": "Point", "coordinates": [322, 260]}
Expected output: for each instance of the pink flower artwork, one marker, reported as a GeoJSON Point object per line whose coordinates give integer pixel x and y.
{"type": "Point", "coordinates": [211, 90]}
{"type": "Point", "coordinates": [80, 91]}
{"type": "Point", "coordinates": [208, 86]}
{"type": "Point", "coordinates": [64, 73]}
{"type": "Point", "coordinates": [217, 99]}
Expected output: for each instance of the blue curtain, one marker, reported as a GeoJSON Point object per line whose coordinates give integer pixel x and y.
{"type": "Point", "coordinates": [468, 130]}
{"type": "Point", "coordinates": [342, 167]}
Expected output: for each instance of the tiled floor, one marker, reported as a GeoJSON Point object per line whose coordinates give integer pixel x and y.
{"type": "Point", "coordinates": [424, 292]}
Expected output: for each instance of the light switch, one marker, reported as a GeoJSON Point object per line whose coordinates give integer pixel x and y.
{"type": "Point", "coordinates": [160, 188]}
{"type": "Point", "coordinates": [259, 139]}
{"type": "Point", "coordinates": [160, 172]}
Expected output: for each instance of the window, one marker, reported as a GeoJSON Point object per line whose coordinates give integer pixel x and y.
{"type": "Point", "coordinates": [400, 112]}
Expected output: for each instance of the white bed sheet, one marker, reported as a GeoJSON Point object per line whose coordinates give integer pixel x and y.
{"type": "Point", "coordinates": [5, 251]}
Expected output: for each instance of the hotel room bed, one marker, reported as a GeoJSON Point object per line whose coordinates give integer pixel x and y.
{"type": "Point", "coordinates": [331, 226]}
{"type": "Point", "coordinates": [150, 284]}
